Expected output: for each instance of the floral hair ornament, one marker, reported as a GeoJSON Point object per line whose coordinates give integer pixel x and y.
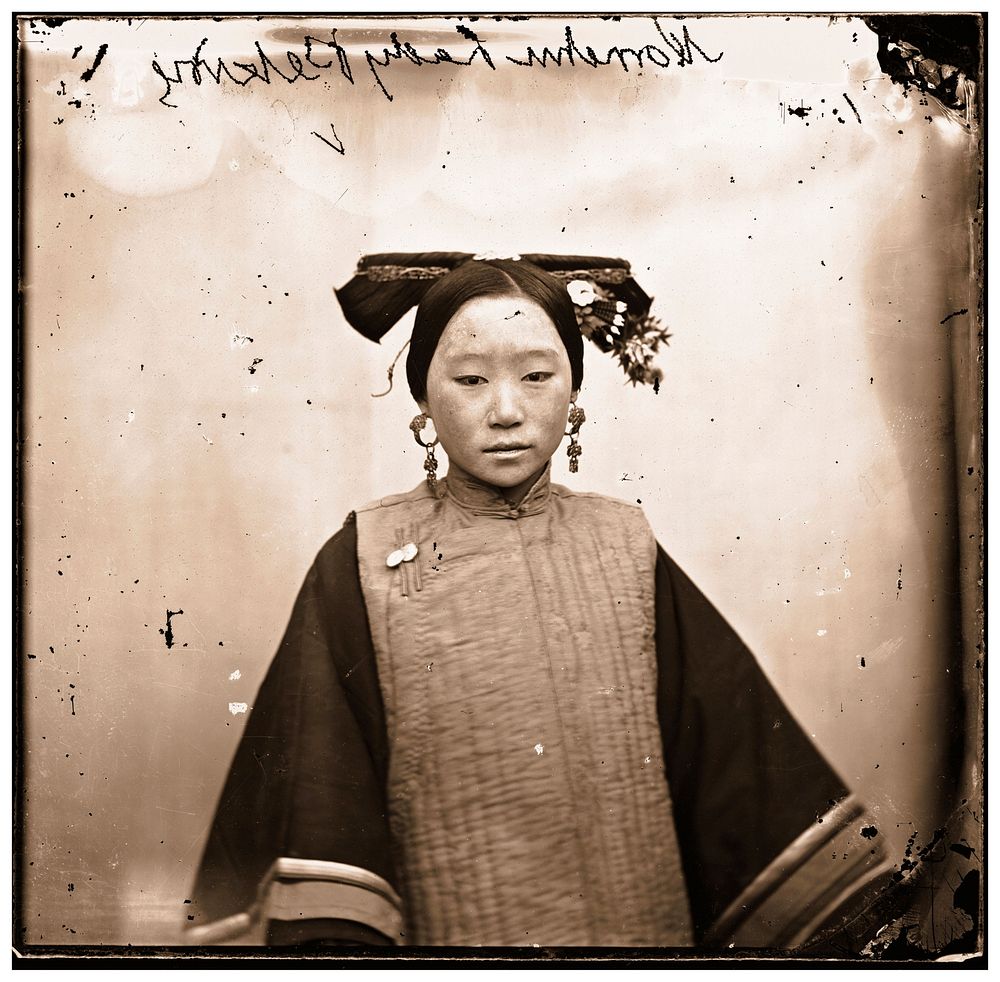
{"type": "Point", "coordinates": [484, 257]}
{"type": "Point", "coordinates": [632, 338]}
{"type": "Point", "coordinates": [611, 308]}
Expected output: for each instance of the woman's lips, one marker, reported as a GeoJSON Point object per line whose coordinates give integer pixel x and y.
{"type": "Point", "coordinates": [507, 452]}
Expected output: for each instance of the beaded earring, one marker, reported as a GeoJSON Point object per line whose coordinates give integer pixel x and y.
{"type": "Point", "coordinates": [430, 462]}
{"type": "Point", "coordinates": [577, 418]}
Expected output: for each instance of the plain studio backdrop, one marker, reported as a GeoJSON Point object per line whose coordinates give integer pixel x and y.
{"type": "Point", "coordinates": [197, 416]}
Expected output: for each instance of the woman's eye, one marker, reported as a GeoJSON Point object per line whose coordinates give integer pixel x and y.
{"type": "Point", "coordinates": [470, 380]}
{"type": "Point", "coordinates": [537, 376]}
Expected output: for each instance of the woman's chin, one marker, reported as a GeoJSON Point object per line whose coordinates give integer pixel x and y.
{"type": "Point", "coordinates": [509, 475]}
{"type": "Point", "coordinates": [506, 472]}
{"type": "Point", "coordinates": [515, 487]}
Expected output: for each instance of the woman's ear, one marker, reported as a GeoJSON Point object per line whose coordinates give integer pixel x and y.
{"type": "Point", "coordinates": [424, 408]}
{"type": "Point", "coordinates": [574, 395]}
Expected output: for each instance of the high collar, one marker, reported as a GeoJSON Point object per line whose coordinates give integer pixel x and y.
{"type": "Point", "coordinates": [486, 501]}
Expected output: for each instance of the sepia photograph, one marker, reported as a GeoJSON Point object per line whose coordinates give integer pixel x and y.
{"type": "Point", "coordinates": [501, 486]}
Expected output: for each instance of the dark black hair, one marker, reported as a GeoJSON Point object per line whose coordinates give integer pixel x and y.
{"type": "Point", "coordinates": [489, 278]}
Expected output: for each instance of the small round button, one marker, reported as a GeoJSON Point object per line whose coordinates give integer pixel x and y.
{"type": "Point", "coordinates": [409, 551]}
{"type": "Point", "coordinates": [394, 558]}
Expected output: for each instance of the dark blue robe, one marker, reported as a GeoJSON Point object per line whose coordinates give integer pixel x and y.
{"type": "Point", "coordinates": [309, 776]}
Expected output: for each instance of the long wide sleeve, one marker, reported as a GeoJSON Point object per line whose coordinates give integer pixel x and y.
{"type": "Point", "coordinates": [299, 849]}
{"type": "Point", "coordinates": [773, 843]}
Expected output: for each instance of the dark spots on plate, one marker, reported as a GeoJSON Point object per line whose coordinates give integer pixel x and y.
{"type": "Point", "coordinates": [89, 73]}
{"type": "Point", "coordinates": [168, 631]}
{"type": "Point", "coordinates": [857, 115]}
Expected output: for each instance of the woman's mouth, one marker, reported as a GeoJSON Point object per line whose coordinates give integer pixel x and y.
{"type": "Point", "coordinates": [507, 451]}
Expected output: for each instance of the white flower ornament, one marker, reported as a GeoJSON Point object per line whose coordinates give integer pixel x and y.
{"type": "Point", "coordinates": [581, 292]}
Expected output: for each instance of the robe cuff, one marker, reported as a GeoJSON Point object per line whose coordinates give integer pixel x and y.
{"type": "Point", "coordinates": [797, 893]}
{"type": "Point", "coordinates": [309, 890]}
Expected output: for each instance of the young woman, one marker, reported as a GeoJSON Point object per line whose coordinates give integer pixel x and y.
{"type": "Point", "coordinates": [501, 715]}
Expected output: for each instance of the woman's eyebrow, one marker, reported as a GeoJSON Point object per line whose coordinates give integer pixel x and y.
{"type": "Point", "coordinates": [539, 353]}
{"type": "Point", "coordinates": [491, 355]}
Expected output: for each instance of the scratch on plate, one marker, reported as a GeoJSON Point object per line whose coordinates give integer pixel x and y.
{"type": "Point", "coordinates": [885, 650]}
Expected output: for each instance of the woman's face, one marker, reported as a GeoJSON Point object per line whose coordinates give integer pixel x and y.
{"type": "Point", "coordinates": [498, 391]}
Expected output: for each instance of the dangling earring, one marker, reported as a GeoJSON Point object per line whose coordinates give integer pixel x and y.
{"type": "Point", "coordinates": [577, 418]}
{"type": "Point", "coordinates": [430, 463]}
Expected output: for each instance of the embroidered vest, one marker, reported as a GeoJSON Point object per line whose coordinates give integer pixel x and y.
{"type": "Point", "coordinates": [516, 656]}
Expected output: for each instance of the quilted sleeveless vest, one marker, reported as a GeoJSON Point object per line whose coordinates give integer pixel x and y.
{"type": "Point", "coordinates": [517, 662]}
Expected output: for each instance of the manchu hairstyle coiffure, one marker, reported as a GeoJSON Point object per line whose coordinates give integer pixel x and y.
{"type": "Point", "coordinates": [489, 278]}
{"type": "Point", "coordinates": [616, 317]}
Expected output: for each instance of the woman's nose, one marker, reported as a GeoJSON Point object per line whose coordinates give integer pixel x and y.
{"type": "Point", "coordinates": [506, 409]}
